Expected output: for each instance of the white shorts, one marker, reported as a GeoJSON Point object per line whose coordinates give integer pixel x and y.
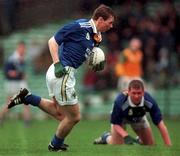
{"type": "Point", "coordinates": [143, 123]}
{"type": "Point", "coordinates": [62, 88]}
{"type": "Point", "coordinates": [13, 86]}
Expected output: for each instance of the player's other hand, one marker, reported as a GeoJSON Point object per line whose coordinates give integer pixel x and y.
{"type": "Point", "coordinates": [100, 66]}
{"type": "Point", "coordinates": [129, 140]}
{"type": "Point", "coordinates": [59, 70]}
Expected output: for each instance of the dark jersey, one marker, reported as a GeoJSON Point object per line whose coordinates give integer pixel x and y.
{"type": "Point", "coordinates": [123, 110]}
{"type": "Point", "coordinates": [14, 63]}
{"type": "Point", "coordinates": [75, 42]}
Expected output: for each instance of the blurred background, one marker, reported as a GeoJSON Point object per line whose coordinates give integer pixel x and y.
{"type": "Point", "coordinates": [148, 28]}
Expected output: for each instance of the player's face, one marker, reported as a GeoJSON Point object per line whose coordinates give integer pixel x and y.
{"type": "Point", "coordinates": [21, 49]}
{"type": "Point", "coordinates": [105, 25]}
{"type": "Point", "coordinates": [136, 95]}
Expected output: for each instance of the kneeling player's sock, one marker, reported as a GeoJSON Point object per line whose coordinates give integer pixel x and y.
{"type": "Point", "coordinates": [104, 137]}
{"type": "Point", "coordinates": [57, 142]}
{"type": "Point", "coordinates": [32, 99]}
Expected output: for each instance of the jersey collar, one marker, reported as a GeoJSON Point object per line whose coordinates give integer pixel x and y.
{"type": "Point", "coordinates": [93, 26]}
{"type": "Point", "coordinates": [95, 29]}
{"type": "Point", "coordinates": [133, 105]}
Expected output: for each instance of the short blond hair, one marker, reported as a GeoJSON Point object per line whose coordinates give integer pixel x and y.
{"type": "Point", "coordinates": [136, 84]}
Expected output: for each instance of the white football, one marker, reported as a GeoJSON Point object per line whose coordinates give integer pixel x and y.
{"type": "Point", "coordinates": [96, 56]}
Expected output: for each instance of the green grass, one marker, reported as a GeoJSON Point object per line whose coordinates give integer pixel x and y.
{"type": "Point", "coordinates": [18, 140]}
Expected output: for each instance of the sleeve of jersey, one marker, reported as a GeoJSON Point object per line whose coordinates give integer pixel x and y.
{"type": "Point", "coordinates": [62, 34]}
{"type": "Point", "coordinates": [117, 113]}
{"type": "Point", "coordinates": [155, 112]}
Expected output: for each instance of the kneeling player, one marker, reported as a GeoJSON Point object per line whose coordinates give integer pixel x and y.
{"type": "Point", "coordinates": [130, 108]}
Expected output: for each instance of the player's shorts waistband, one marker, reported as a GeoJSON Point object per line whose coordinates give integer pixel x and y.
{"type": "Point", "coordinates": [68, 67]}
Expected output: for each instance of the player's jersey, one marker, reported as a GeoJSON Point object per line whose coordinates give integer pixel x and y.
{"type": "Point", "coordinates": [75, 42]}
{"type": "Point", "coordinates": [123, 109]}
{"type": "Point", "coordinates": [14, 63]}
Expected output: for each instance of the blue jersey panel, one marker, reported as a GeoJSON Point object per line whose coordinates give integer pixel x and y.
{"type": "Point", "coordinates": [155, 112]}
{"type": "Point", "coordinates": [75, 41]}
{"type": "Point", "coordinates": [117, 114]}
{"type": "Point", "coordinates": [122, 110]}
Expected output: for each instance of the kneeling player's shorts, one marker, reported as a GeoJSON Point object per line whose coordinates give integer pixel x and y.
{"type": "Point", "coordinates": [62, 88]}
{"type": "Point", "coordinates": [143, 123]}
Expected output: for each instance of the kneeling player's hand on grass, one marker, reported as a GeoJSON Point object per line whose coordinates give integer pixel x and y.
{"type": "Point", "coordinates": [59, 70]}
{"type": "Point", "coordinates": [129, 140]}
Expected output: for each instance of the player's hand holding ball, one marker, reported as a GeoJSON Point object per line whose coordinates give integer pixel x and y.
{"type": "Point", "coordinates": [59, 70]}
{"type": "Point", "coordinates": [96, 60]}
{"type": "Point", "coordinates": [99, 67]}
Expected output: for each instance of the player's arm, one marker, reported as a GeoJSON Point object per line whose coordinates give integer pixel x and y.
{"type": "Point", "coordinates": [128, 139]}
{"type": "Point", "coordinates": [57, 40]}
{"type": "Point", "coordinates": [12, 73]}
{"type": "Point", "coordinates": [156, 116]}
{"type": "Point", "coordinates": [120, 130]}
{"type": "Point", "coordinates": [53, 48]}
{"type": "Point", "coordinates": [117, 119]}
{"type": "Point", "coordinates": [117, 115]}
{"type": "Point", "coordinates": [164, 133]}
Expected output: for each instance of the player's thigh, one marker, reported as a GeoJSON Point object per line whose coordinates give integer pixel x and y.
{"type": "Point", "coordinates": [146, 136]}
{"type": "Point", "coordinates": [143, 130]}
{"type": "Point", "coordinates": [114, 138]}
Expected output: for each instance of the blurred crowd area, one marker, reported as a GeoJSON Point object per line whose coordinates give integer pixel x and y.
{"type": "Point", "coordinates": [154, 23]}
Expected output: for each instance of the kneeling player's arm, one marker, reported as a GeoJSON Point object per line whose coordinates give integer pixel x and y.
{"type": "Point", "coordinates": [164, 133]}
{"type": "Point", "coordinates": [120, 130]}
{"type": "Point", "coordinates": [129, 140]}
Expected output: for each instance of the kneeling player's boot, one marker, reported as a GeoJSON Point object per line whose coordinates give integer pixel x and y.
{"type": "Point", "coordinates": [19, 98]}
{"type": "Point", "coordinates": [63, 147]}
{"type": "Point", "coordinates": [102, 139]}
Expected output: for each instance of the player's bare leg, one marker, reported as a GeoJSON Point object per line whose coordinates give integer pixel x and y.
{"type": "Point", "coordinates": [146, 136]}
{"type": "Point", "coordinates": [109, 138]}
{"type": "Point", "coordinates": [114, 138]}
{"type": "Point", "coordinates": [4, 110]}
{"type": "Point", "coordinates": [26, 114]}
{"type": "Point", "coordinates": [48, 106]}
{"type": "Point", "coordinates": [52, 108]}
{"type": "Point", "coordinates": [72, 117]}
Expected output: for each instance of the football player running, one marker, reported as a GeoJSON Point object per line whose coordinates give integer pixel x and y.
{"type": "Point", "coordinates": [69, 48]}
{"type": "Point", "coordinates": [130, 107]}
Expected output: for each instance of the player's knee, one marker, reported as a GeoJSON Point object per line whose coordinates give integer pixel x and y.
{"type": "Point", "coordinates": [73, 117]}
{"type": "Point", "coordinates": [77, 118]}
{"type": "Point", "coordinates": [60, 117]}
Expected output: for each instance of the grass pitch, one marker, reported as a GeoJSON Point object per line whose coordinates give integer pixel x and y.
{"type": "Point", "coordinates": [18, 140]}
